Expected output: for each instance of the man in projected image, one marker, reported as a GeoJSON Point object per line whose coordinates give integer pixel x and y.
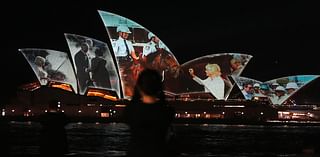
{"type": "Point", "coordinates": [291, 87]}
{"type": "Point", "coordinates": [125, 54]}
{"type": "Point", "coordinates": [279, 95]}
{"type": "Point", "coordinates": [151, 48]}
{"type": "Point", "coordinates": [82, 64]}
{"type": "Point", "coordinates": [214, 83]}
{"type": "Point", "coordinates": [236, 65]}
{"type": "Point", "coordinates": [247, 91]}
{"type": "Point", "coordinates": [123, 48]}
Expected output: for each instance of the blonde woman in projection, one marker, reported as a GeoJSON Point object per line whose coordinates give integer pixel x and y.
{"type": "Point", "coordinates": [41, 72]}
{"type": "Point", "coordinates": [213, 83]}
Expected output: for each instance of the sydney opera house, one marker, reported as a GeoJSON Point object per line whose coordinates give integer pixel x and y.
{"type": "Point", "coordinates": [96, 79]}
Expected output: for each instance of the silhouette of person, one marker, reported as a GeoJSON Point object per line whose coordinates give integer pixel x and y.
{"type": "Point", "coordinates": [53, 139]}
{"type": "Point", "coordinates": [82, 63]}
{"type": "Point", "coordinates": [148, 116]}
{"type": "Point", "coordinates": [100, 74]}
{"type": "Point", "coordinates": [4, 136]}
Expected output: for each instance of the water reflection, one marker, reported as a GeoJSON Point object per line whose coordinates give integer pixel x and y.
{"type": "Point", "coordinates": [111, 139]}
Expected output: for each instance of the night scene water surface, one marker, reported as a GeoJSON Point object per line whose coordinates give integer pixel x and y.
{"type": "Point", "coordinates": [218, 140]}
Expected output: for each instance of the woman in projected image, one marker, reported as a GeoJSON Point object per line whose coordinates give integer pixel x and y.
{"type": "Point", "coordinates": [100, 74]}
{"type": "Point", "coordinates": [40, 69]}
{"type": "Point", "coordinates": [214, 83]}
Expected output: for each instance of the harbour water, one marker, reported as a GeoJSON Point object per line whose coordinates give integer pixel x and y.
{"type": "Point", "coordinates": [190, 140]}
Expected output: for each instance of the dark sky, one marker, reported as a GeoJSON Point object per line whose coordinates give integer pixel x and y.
{"type": "Point", "coordinates": [283, 37]}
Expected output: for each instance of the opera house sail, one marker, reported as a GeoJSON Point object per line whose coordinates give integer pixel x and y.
{"type": "Point", "coordinates": [210, 74]}
{"type": "Point", "coordinates": [137, 48]}
{"type": "Point", "coordinates": [51, 66]}
{"type": "Point", "coordinates": [94, 64]}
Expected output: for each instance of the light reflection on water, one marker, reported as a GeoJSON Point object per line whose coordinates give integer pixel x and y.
{"type": "Point", "coordinates": [111, 139]}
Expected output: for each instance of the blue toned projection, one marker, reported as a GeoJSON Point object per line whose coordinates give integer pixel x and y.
{"type": "Point", "coordinates": [281, 89]}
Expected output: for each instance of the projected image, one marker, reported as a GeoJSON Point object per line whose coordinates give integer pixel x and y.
{"type": "Point", "coordinates": [136, 48]}
{"type": "Point", "coordinates": [50, 65]}
{"type": "Point", "coordinates": [249, 87]}
{"type": "Point", "coordinates": [210, 74]}
{"type": "Point", "coordinates": [93, 64]}
{"type": "Point", "coordinates": [281, 89]}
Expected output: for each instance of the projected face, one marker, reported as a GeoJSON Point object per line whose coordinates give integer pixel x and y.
{"type": "Point", "coordinates": [136, 48]}
{"type": "Point", "coordinates": [124, 35]}
{"type": "Point", "coordinates": [39, 61]}
{"type": "Point", "coordinates": [155, 39]}
{"type": "Point", "coordinates": [93, 63]}
{"type": "Point", "coordinates": [84, 47]}
{"type": "Point", "coordinates": [50, 65]}
{"type": "Point", "coordinates": [235, 64]}
{"type": "Point", "coordinates": [212, 70]}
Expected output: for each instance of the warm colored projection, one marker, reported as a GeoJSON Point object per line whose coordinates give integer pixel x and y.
{"type": "Point", "coordinates": [209, 74]}
{"type": "Point", "coordinates": [250, 88]}
{"type": "Point", "coordinates": [137, 48]}
{"type": "Point", "coordinates": [280, 89]}
{"type": "Point", "coordinates": [50, 65]}
{"type": "Point", "coordinates": [94, 64]}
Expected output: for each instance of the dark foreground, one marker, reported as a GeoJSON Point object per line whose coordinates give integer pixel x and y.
{"type": "Point", "coordinates": [218, 140]}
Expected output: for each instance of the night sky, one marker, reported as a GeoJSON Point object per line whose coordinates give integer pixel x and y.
{"type": "Point", "coordinates": [268, 31]}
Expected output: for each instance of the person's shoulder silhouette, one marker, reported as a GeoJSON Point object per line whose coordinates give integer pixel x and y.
{"type": "Point", "coordinates": [4, 136]}
{"type": "Point", "coordinates": [148, 116]}
{"type": "Point", "coordinates": [53, 134]}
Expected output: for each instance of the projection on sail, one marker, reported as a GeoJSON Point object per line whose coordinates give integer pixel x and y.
{"type": "Point", "coordinates": [249, 87]}
{"type": "Point", "coordinates": [94, 64]}
{"type": "Point", "coordinates": [50, 65]}
{"type": "Point", "coordinates": [281, 89]}
{"type": "Point", "coordinates": [209, 74]}
{"type": "Point", "coordinates": [136, 48]}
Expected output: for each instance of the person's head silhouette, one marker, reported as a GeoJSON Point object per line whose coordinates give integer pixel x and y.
{"type": "Point", "coordinates": [53, 137]}
{"type": "Point", "coordinates": [149, 115]}
{"type": "Point", "coordinates": [53, 106]}
{"type": "Point", "coordinates": [150, 82]}
{"type": "Point", "coordinates": [149, 86]}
